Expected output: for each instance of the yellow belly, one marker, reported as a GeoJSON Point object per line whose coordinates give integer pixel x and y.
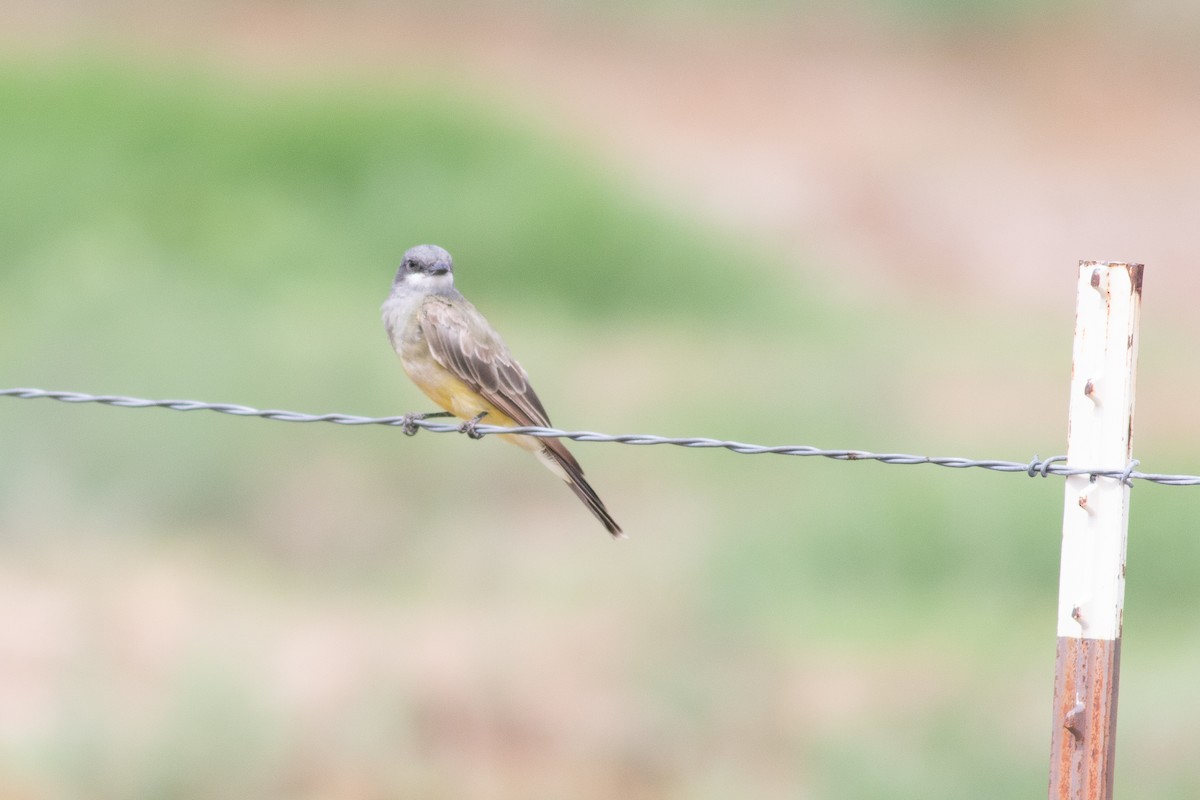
{"type": "Point", "coordinates": [443, 388]}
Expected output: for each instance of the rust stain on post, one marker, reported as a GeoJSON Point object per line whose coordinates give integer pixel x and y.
{"type": "Point", "coordinates": [1084, 741]}
{"type": "Point", "coordinates": [1135, 277]}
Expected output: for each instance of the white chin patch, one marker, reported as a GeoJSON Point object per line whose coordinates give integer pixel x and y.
{"type": "Point", "coordinates": [428, 283]}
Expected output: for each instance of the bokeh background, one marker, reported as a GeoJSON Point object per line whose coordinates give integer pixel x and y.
{"type": "Point", "coordinates": [848, 225]}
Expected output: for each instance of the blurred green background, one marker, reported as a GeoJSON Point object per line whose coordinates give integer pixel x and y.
{"type": "Point", "coordinates": [849, 226]}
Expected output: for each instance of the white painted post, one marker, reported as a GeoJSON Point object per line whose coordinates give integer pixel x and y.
{"type": "Point", "coordinates": [1095, 528]}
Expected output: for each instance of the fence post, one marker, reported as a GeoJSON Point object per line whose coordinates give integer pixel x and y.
{"type": "Point", "coordinates": [1091, 594]}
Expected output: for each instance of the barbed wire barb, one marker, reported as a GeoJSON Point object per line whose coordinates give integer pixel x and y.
{"type": "Point", "coordinates": [410, 423]}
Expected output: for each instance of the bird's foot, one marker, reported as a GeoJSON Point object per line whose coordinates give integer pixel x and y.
{"type": "Point", "coordinates": [408, 423]}
{"type": "Point", "coordinates": [468, 427]}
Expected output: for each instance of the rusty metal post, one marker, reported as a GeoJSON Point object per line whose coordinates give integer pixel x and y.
{"type": "Point", "coordinates": [1091, 595]}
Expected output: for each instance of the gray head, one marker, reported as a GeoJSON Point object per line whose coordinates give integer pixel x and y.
{"type": "Point", "coordinates": [427, 266]}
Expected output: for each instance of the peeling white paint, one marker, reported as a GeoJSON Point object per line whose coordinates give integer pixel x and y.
{"type": "Point", "coordinates": [1091, 595]}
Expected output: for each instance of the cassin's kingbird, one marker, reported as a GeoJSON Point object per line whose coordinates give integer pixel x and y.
{"type": "Point", "coordinates": [455, 357]}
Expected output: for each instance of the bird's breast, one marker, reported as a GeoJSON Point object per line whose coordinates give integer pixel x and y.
{"type": "Point", "coordinates": [438, 383]}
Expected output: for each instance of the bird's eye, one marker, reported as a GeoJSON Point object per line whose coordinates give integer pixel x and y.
{"type": "Point", "coordinates": [410, 266]}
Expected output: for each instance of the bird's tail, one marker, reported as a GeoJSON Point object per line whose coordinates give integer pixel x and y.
{"type": "Point", "coordinates": [562, 463]}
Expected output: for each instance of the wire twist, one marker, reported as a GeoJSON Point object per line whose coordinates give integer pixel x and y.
{"type": "Point", "coordinates": [411, 423]}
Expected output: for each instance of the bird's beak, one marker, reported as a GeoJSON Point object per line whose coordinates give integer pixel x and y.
{"type": "Point", "coordinates": [439, 269]}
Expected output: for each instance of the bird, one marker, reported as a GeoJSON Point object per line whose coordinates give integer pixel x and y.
{"type": "Point", "coordinates": [453, 355]}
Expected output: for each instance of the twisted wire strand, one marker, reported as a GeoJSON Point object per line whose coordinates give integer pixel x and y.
{"type": "Point", "coordinates": [410, 423]}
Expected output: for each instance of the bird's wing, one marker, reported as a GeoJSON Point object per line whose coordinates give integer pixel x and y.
{"type": "Point", "coordinates": [462, 341]}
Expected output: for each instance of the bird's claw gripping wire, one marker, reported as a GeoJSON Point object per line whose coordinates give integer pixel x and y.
{"type": "Point", "coordinates": [468, 427]}
{"type": "Point", "coordinates": [408, 423]}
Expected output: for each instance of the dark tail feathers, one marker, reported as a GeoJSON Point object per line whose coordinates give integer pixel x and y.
{"type": "Point", "coordinates": [584, 491]}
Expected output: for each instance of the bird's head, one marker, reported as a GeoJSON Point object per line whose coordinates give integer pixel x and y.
{"type": "Point", "coordinates": [426, 267]}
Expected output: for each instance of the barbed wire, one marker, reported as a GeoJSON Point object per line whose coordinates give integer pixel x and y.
{"type": "Point", "coordinates": [410, 423]}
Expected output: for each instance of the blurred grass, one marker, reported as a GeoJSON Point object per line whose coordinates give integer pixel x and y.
{"type": "Point", "coordinates": [223, 186]}
{"type": "Point", "coordinates": [774, 623]}
{"type": "Point", "coordinates": [233, 241]}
